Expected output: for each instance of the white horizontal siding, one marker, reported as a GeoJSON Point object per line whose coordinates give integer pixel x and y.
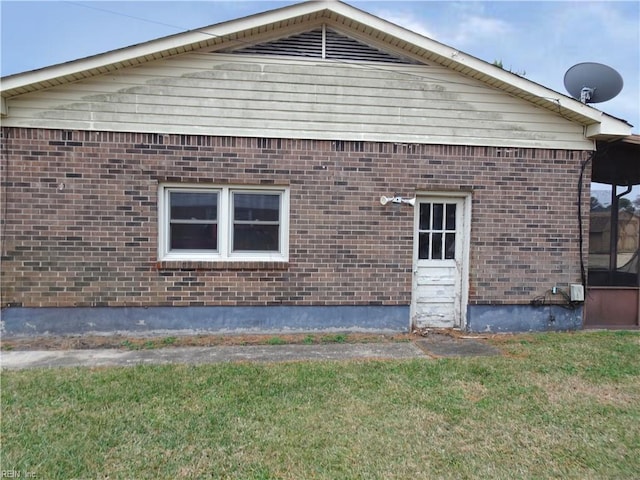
{"type": "Point", "coordinates": [236, 95]}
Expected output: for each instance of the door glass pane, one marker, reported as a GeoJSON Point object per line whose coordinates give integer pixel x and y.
{"type": "Point", "coordinates": [194, 205]}
{"type": "Point", "coordinates": [193, 236]}
{"type": "Point", "coordinates": [451, 216]}
{"type": "Point", "coordinates": [256, 207]}
{"type": "Point", "coordinates": [423, 246]}
{"type": "Point", "coordinates": [438, 211]}
{"type": "Point", "coordinates": [436, 246]}
{"type": "Point", "coordinates": [450, 246]}
{"type": "Point", "coordinates": [437, 231]}
{"type": "Point", "coordinates": [425, 216]}
{"type": "Point", "coordinates": [252, 237]}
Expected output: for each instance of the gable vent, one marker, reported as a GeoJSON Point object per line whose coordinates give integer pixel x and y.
{"type": "Point", "coordinates": [323, 44]}
{"type": "Point", "coordinates": [307, 44]}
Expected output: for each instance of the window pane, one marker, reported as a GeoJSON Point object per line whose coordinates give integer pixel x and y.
{"type": "Point", "coordinates": [248, 237]}
{"type": "Point", "coordinates": [436, 246]}
{"type": "Point", "coordinates": [628, 244]}
{"type": "Point", "coordinates": [194, 205]}
{"type": "Point", "coordinates": [425, 216]}
{"type": "Point", "coordinates": [256, 207]}
{"type": "Point", "coordinates": [450, 246]}
{"type": "Point", "coordinates": [600, 235]}
{"type": "Point", "coordinates": [190, 236]}
{"type": "Point", "coordinates": [451, 216]}
{"type": "Point", "coordinates": [438, 210]}
{"type": "Point", "coordinates": [423, 246]}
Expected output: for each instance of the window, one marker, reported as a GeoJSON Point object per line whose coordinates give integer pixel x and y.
{"type": "Point", "coordinates": [437, 231]}
{"type": "Point", "coordinates": [256, 222]}
{"type": "Point", "coordinates": [193, 220]}
{"type": "Point", "coordinates": [223, 223]}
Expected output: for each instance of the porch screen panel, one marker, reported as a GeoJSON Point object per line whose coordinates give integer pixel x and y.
{"type": "Point", "coordinates": [614, 237]}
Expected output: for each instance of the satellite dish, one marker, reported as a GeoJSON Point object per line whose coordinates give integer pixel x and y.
{"type": "Point", "coordinates": [592, 82]}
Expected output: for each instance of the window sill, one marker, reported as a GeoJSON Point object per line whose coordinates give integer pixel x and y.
{"type": "Point", "coordinates": [252, 265]}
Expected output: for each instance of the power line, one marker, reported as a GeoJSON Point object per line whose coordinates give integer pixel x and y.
{"type": "Point", "coordinates": [182, 29]}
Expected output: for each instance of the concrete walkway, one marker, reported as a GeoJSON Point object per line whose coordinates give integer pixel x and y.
{"type": "Point", "coordinates": [202, 355]}
{"type": "Point", "coordinates": [432, 347]}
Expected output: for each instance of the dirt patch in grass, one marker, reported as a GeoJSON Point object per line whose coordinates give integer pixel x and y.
{"type": "Point", "coordinates": [87, 342]}
{"type": "Point", "coordinates": [574, 387]}
{"type": "Point", "coordinates": [473, 391]}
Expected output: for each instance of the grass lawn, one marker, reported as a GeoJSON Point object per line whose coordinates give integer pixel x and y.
{"type": "Point", "coordinates": [553, 406]}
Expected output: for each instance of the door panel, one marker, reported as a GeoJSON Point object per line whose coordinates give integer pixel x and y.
{"type": "Point", "coordinates": [438, 259]}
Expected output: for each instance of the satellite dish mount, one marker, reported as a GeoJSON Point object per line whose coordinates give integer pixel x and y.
{"type": "Point", "coordinates": [586, 93]}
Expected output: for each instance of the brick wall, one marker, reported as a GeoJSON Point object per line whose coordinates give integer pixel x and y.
{"type": "Point", "coordinates": [80, 219]}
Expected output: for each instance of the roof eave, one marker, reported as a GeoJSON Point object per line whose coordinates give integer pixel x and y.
{"type": "Point", "coordinates": [608, 128]}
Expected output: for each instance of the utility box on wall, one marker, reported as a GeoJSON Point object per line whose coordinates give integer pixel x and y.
{"type": "Point", "coordinates": [577, 292]}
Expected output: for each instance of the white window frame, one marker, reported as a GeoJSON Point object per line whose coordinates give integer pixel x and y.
{"type": "Point", "coordinates": [225, 225]}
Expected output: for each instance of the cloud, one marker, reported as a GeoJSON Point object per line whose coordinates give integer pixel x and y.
{"type": "Point", "coordinates": [406, 20]}
{"type": "Point", "coordinates": [472, 29]}
{"type": "Point", "coordinates": [616, 21]}
{"type": "Point", "coordinates": [467, 30]}
{"type": "Point", "coordinates": [455, 25]}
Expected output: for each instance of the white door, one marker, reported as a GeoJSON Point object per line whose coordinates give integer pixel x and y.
{"type": "Point", "coordinates": [439, 256]}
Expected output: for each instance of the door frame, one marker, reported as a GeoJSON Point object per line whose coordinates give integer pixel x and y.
{"type": "Point", "coordinates": [426, 196]}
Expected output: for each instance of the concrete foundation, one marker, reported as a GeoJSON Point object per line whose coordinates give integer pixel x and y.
{"type": "Point", "coordinates": [18, 322]}
{"type": "Point", "coordinates": [522, 318]}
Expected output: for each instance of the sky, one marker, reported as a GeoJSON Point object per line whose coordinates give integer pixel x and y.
{"type": "Point", "coordinates": [540, 40]}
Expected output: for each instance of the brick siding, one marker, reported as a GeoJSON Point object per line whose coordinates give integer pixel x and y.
{"type": "Point", "coordinates": [80, 221]}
